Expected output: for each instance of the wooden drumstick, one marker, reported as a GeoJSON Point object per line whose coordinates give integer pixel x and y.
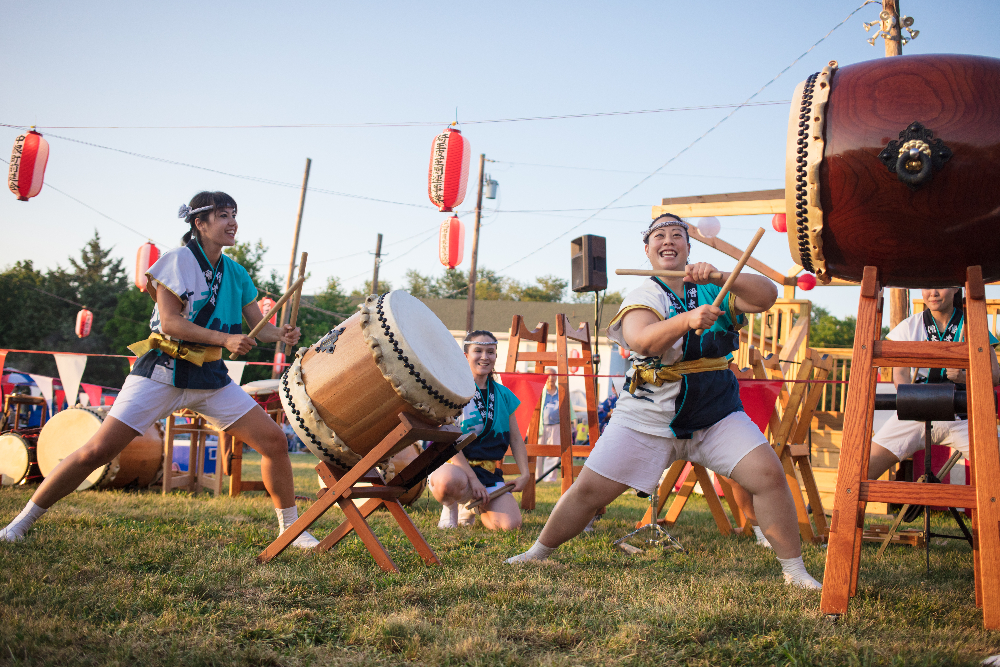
{"type": "Point", "coordinates": [493, 496]}
{"type": "Point", "coordinates": [296, 286]}
{"type": "Point", "coordinates": [736, 272]}
{"type": "Point", "coordinates": [715, 275]}
{"type": "Point", "coordinates": [294, 317]}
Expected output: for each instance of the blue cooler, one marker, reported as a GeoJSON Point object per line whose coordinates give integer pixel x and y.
{"type": "Point", "coordinates": [183, 447]}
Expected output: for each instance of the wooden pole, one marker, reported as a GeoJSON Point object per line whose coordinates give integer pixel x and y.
{"type": "Point", "coordinates": [293, 320]}
{"type": "Point", "coordinates": [470, 315]}
{"type": "Point", "coordinates": [280, 347]}
{"type": "Point", "coordinates": [378, 260]}
{"type": "Point", "coordinates": [899, 299]}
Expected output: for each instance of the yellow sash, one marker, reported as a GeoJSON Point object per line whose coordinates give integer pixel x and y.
{"type": "Point", "coordinates": [648, 373]}
{"type": "Point", "coordinates": [488, 466]}
{"type": "Point", "coordinates": [196, 354]}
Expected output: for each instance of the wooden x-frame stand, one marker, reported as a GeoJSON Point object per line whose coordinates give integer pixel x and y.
{"type": "Point", "coordinates": [342, 489]}
{"type": "Point", "coordinates": [854, 490]}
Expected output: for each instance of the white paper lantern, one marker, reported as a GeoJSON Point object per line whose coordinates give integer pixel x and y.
{"type": "Point", "coordinates": [709, 227]}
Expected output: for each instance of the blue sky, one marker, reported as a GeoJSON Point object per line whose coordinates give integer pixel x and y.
{"type": "Point", "coordinates": [84, 66]}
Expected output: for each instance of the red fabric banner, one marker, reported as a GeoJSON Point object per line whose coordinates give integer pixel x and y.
{"type": "Point", "coordinates": [758, 397]}
{"type": "Point", "coordinates": [528, 389]}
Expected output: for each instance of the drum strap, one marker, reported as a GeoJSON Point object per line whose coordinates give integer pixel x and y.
{"type": "Point", "coordinates": [196, 354]}
{"type": "Point", "coordinates": [938, 375]}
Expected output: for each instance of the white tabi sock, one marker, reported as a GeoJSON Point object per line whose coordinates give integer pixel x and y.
{"type": "Point", "coordinates": [17, 528]}
{"type": "Point", "coordinates": [288, 516]}
{"type": "Point", "coordinates": [537, 552]}
{"type": "Point", "coordinates": [795, 574]}
{"type": "Point", "coordinates": [449, 516]}
{"type": "Point", "coordinates": [761, 539]}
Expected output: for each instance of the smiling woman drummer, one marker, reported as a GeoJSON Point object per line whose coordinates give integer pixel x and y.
{"type": "Point", "coordinates": [681, 401]}
{"type": "Point", "coordinates": [473, 472]}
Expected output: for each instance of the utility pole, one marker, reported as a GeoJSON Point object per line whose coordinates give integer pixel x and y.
{"type": "Point", "coordinates": [470, 317]}
{"type": "Point", "coordinates": [281, 349]}
{"type": "Point", "coordinates": [378, 260]}
{"type": "Point", "coordinates": [899, 299]}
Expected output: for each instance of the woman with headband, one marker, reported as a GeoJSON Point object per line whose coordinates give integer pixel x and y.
{"type": "Point", "coordinates": [473, 473]}
{"type": "Point", "coordinates": [202, 297]}
{"type": "Point", "coordinates": [681, 401]}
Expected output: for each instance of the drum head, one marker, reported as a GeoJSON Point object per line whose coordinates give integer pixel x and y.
{"type": "Point", "coordinates": [65, 433]}
{"type": "Point", "coordinates": [13, 459]}
{"type": "Point", "coordinates": [422, 339]}
{"type": "Point", "coordinates": [262, 387]}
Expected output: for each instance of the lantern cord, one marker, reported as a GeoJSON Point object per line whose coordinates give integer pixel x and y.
{"type": "Point", "coordinates": [56, 296]}
{"type": "Point", "coordinates": [420, 123]}
{"type": "Point", "coordinates": [693, 143]}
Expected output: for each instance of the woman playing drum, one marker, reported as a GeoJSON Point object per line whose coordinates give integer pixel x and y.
{"type": "Point", "coordinates": [681, 401]}
{"type": "Point", "coordinates": [201, 299]}
{"type": "Point", "coordinates": [473, 473]}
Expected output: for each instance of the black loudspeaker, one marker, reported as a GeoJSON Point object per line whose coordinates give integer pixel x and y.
{"type": "Point", "coordinates": [589, 263]}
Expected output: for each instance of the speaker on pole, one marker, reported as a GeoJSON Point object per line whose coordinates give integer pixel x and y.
{"type": "Point", "coordinates": [588, 258]}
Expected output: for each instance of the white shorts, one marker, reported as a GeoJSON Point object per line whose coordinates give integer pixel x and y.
{"type": "Point", "coordinates": [639, 459]}
{"type": "Point", "coordinates": [905, 438]}
{"type": "Point", "coordinates": [143, 401]}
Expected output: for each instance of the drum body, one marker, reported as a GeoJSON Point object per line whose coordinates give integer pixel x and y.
{"type": "Point", "coordinates": [14, 460]}
{"type": "Point", "coordinates": [265, 392]}
{"type": "Point", "coordinates": [344, 394]}
{"type": "Point", "coordinates": [895, 163]}
{"type": "Point", "coordinates": [70, 429]}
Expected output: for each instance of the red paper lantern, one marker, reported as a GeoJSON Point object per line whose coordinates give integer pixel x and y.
{"type": "Point", "coordinates": [84, 322]}
{"type": "Point", "coordinates": [266, 305]}
{"type": "Point", "coordinates": [806, 282]}
{"type": "Point", "coordinates": [451, 242]}
{"type": "Point", "coordinates": [576, 354]}
{"type": "Point", "coordinates": [145, 258]}
{"type": "Point", "coordinates": [625, 352]}
{"type": "Point", "coordinates": [779, 223]}
{"type": "Point", "coordinates": [27, 165]}
{"type": "Point", "coordinates": [449, 171]}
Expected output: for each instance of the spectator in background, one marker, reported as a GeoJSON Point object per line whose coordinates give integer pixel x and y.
{"type": "Point", "coordinates": [605, 409]}
{"type": "Point", "coordinates": [550, 425]}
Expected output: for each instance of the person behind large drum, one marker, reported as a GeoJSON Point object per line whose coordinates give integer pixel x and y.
{"type": "Point", "coordinates": [681, 401]}
{"type": "Point", "coordinates": [942, 320]}
{"type": "Point", "coordinates": [473, 473]}
{"type": "Point", "coordinates": [201, 299]}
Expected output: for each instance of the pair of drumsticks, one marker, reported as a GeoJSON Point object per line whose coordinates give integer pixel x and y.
{"type": "Point", "coordinates": [715, 275]}
{"type": "Point", "coordinates": [294, 292]}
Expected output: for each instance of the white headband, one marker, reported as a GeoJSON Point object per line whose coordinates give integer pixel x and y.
{"type": "Point", "coordinates": [664, 221]}
{"type": "Point", "coordinates": [185, 210]}
{"type": "Point", "coordinates": [478, 342]}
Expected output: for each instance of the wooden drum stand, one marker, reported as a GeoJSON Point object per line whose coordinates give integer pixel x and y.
{"type": "Point", "coordinates": [854, 490]}
{"type": "Point", "coordinates": [342, 488]}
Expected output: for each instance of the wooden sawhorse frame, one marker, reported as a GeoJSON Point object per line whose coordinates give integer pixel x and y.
{"type": "Point", "coordinates": [195, 479]}
{"type": "Point", "coordinates": [342, 488]}
{"type": "Point", "coordinates": [559, 358]}
{"type": "Point", "coordinates": [854, 490]}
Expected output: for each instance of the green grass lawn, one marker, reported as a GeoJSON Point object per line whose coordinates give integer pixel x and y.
{"type": "Point", "coordinates": [112, 578]}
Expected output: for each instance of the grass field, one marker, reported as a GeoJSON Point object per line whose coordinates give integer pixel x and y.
{"type": "Point", "coordinates": [111, 578]}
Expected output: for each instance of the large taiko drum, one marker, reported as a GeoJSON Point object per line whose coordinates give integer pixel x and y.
{"type": "Point", "coordinates": [15, 458]}
{"type": "Point", "coordinates": [70, 429]}
{"type": "Point", "coordinates": [895, 163]}
{"type": "Point", "coordinates": [345, 393]}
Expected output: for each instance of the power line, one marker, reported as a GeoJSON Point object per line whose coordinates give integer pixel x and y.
{"type": "Point", "coordinates": [415, 123]}
{"type": "Point", "coordinates": [693, 143]}
{"type": "Point", "coordinates": [635, 171]}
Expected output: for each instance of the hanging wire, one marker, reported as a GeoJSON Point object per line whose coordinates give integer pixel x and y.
{"type": "Point", "coordinates": [636, 171]}
{"type": "Point", "coordinates": [693, 143]}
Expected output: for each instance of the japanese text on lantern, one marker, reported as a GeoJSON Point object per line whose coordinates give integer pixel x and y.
{"type": "Point", "coordinates": [437, 169]}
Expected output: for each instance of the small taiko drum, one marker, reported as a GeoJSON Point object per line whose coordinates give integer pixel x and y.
{"type": "Point", "coordinates": [345, 393]}
{"type": "Point", "coordinates": [265, 392]}
{"type": "Point", "coordinates": [18, 464]}
{"type": "Point", "coordinates": [895, 163]}
{"type": "Point", "coordinates": [67, 431]}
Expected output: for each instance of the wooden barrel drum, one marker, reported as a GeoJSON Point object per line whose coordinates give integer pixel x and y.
{"type": "Point", "coordinates": [18, 457]}
{"type": "Point", "coordinates": [345, 393]}
{"type": "Point", "coordinates": [895, 163]}
{"type": "Point", "coordinates": [69, 430]}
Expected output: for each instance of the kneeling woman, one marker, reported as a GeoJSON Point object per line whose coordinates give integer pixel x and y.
{"type": "Point", "coordinates": [473, 472]}
{"type": "Point", "coordinates": [681, 401]}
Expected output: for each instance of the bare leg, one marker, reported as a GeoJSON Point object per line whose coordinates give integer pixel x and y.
{"type": "Point", "coordinates": [881, 460]}
{"type": "Point", "coordinates": [450, 485]}
{"type": "Point", "coordinates": [589, 493]}
{"type": "Point", "coordinates": [502, 514]}
{"type": "Point", "coordinates": [260, 432]}
{"type": "Point", "coordinates": [745, 502]}
{"type": "Point", "coordinates": [111, 438]}
{"type": "Point", "coordinates": [760, 473]}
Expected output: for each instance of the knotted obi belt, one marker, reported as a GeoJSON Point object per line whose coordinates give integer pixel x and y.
{"type": "Point", "coordinates": [651, 373]}
{"type": "Point", "coordinates": [488, 466]}
{"type": "Point", "coordinates": [196, 354]}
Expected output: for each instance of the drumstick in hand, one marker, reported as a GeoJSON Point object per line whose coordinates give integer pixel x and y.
{"type": "Point", "coordinates": [296, 286]}
{"type": "Point", "coordinates": [294, 317]}
{"type": "Point", "coordinates": [715, 275]}
{"type": "Point", "coordinates": [493, 496]}
{"type": "Point", "coordinates": [736, 272]}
